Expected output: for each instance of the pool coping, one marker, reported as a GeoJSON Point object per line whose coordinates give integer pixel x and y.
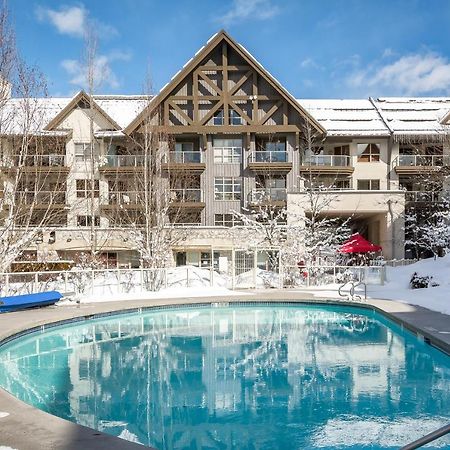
{"type": "Point", "coordinates": [27, 428]}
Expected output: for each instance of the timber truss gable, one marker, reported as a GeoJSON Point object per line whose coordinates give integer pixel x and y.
{"type": "Point", "coordinates": [223, 89]}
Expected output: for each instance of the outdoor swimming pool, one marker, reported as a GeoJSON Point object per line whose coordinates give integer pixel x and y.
{"type": "Point", "coordinates": [261, 376]}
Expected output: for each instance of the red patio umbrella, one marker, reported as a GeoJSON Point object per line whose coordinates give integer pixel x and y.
{"type": "Point", "coordinates": [357, 244]}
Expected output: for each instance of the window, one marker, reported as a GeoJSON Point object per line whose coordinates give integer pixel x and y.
{"type": "Point", "coordinates": [226, 220]}
{"type": "Point", "coordinates": [83, 151]}
{"type": "Point", "coordinates": [227, 188]}
{"type": "Point", "coordinates": [184, 146]}
{"type": "Point", "coordinates": [227, 150]}
{"type": "Point", "coordinates": [218, 118]}
{"type": "Point", "coordinates": [368, 152]}
{"type": "Point", "coordinates": [84, 188]}
{"type": "Point", "coordinates": [86, 221]}
{"type": "Point", "coordinates": [343, 150]}
{"type": "Point", "coordinates": [368, 185]}
{"type": "Point", "coordinates": [234, 117]}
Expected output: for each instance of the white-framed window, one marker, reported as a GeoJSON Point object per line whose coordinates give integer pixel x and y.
{"type": "Point", "coordinates": [368, 185]}
{"type": "Point", "coordinates": [227, 151]}
{"type": "Point", "coordinates": [86, 221]}
{"type": "Point", "coordinates": [368, 153]}
{"type": "Point", "coordinates": [227, 188]}
{"type": "Point", "coordinates": [226, 220]}
{"type": "Point", "coordinates": [82, 151]}
{"type": "Point", "coordinates": [84, 188]}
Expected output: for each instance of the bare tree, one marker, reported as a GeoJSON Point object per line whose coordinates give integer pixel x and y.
{"type": "Point", "coordinates": [33, 182]}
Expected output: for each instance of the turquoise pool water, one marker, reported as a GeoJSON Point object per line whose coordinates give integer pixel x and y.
{"type": "Point", "coordinates": [237, 377]}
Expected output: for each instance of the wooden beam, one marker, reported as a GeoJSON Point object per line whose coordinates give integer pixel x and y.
{"type": "Point", "coordinates": [232, 129]}
{"type": "Point", "coordinates": [211, 68]}
{"type": "Point", "coordinates": [285, 113]}
{"type": "Point", "coordinates": [226, 109]}
{"type": "Point", "coordinates": [243, 79]}
{"type": "Point", "coordinates": [211, 112]}
{"type": "Point", "coordinates": [242, 113]}
{"type": "Point", "coordinates": [182, 113]}
{"type": "Point", "coordinates": [214, 86]}
{"type": "Point", "coordinates": [269, 113]}
{"type": "Point", "coordinates": [255, 97]}
{"type": "Point", "coordinates": [216, 97]}
{"type": "Point", "coordinates": [195, 96]}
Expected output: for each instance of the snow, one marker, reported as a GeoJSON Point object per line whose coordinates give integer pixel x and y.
{"type": "Point", "coordinates": [397, 287]}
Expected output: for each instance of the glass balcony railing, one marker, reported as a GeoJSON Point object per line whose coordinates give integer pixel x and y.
{"type": "Point", "coordinates": [264, 195]}
{"type": "Point", "coordinates": [41, 198]}
{"type": "Point", "coordinates": [123, 161]}
{"type": "Point", "coordinates": [36, 160]}
{"type": "Point", "coordinates": [264, 156]}
{"type": "Point", "coordinates": [186, 157]}
{"type": "Point", "coordinates": [327, 160]}
{"type": "Point", "coordinates": [422, 160]}
{"type": "Point", "coordinates": [186, 195]}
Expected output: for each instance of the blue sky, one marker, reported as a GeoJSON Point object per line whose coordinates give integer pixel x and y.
{"type": "Point", "coordinates": [315, 48]}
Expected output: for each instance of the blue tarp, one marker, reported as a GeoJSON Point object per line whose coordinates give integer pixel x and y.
{"type": "Point", "coordinates": [29, 301]}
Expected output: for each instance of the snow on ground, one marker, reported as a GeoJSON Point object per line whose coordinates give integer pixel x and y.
{"type": "Point", "coordinates": [397, 287]}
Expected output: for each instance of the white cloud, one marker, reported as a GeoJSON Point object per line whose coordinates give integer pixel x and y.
{"type": "Point", "coordinates": [415, 74]}
{"type": "Point", "coordinates": [103, 73]}
{"type": "Point", "coordinates": [249, 9]}
{"type": "Point", "coordinates": [73, 21]}
{"type": "Point", "coordinates": [68, 20]}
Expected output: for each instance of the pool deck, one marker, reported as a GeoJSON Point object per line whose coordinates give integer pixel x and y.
{"type": "Point", "coordinates": [26, 428]}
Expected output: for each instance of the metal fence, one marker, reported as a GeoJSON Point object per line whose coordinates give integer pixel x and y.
{"type": "Point", "coordinates": [244, 274]}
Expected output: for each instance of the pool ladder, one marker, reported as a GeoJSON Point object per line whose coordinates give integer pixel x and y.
{"type": "Point", "coordinates": [350, 295]}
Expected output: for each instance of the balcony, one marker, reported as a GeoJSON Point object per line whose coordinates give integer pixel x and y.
{"type": "Point", "coordinates": [423, 196]}
{"type": "Point", "coordinates": [187, 198]}
{"type": "Point", "coordinates": [114, 164]}
{"type": "Point", "coordinates": [324, 164]}
{"type": "Point", "coordinates": [268, 196]}
{"type": "Point", "coordinates": [269, 160]}
{"type": "Point", "coordinates": [191, 161]}
{"type": "Point", "coordinates": [42, 199]}
{"type": "Point", "coordinates": [37, 163]}
{"type": "Point", "coordinates": [413, 164]}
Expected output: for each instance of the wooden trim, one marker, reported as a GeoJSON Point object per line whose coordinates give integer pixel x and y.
{"type": "Point", "coordinates": [211, 113]}
{"type": "Point", "coordinates": [270, 113]}
{"type": "Point", "coordinates": [232, 129]}
{"type": "Point", "coordinates": [214, 86]}
{"type": "Point", "coordinates": [242, 113]}
{"type": "Point", "coordinates": [181, 112]}
{"type": "Point", "coordinates": [237, 86]}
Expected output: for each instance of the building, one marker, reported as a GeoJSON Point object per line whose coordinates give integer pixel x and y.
{"type": "Point", "coordinates": [232, 136]}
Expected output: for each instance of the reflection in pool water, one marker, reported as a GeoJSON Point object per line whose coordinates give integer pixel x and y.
{"type": "Point", "coordinates": [238, 377]}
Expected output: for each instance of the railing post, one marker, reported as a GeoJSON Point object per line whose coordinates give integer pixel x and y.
{"type": "Point", "coordinates": [65, 281]}
{"type": "Point", "coordinates": [36, 281]}
{"type": "Point", "coordinates": [118, 281]}
{"type": "Point", "coordinates": [211, 276]}
{"type": "Point", "coordinates": [233, 271]}
{"type": "Point", "coordinates": [7, 285]}
{"type": "Point", "coordinates": [187, 277]}
{"type": "Point", "coordinates": [92, 281]}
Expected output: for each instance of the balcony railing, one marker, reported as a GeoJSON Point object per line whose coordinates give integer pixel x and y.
{"type": "Point", "coordinates": [422, 196]}
{"type": "Point", "coordinates": [422, 160]}
{"type": "Point", "coordinates": [36, 160]}
{"type": "Point", "coordinates": [186, 195]}
{"type": "Point", "coordinates": [187, 157]}
{"type": "Point", "coordinates": [268, 156]}
{"type": "Point", "coordinates": [264, 195]}
{"type": "Point", "coordinates": [123, 198]}
{"type": "Point", "coordinates": [123, 160]}
{"type": "Point", "coordinates": [327, 160]}
{"type": "Point", "coordinates": [41, 198]}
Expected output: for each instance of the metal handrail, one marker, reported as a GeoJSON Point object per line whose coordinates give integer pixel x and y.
{"type": "Point", "coordinates": [421, 160]}
{"type": "Point", "coordinates": [430, 437]}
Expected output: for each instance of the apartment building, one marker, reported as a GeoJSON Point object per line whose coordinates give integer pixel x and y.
{"type": "Point", "coordinates": [233, 137]}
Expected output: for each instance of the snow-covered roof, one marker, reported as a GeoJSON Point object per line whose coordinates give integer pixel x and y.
{"type": "Point", "coordinates": [347, 117]}
{"type": "Point", "coordinates": [122, 108]}
{"type": "Point", "coordinates": [415, 117]}
{"type": "Point", "coordinates": [404, 118]}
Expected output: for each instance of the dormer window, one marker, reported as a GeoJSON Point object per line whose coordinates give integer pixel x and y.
{"type": "Point", "coordinates": [368, 152]}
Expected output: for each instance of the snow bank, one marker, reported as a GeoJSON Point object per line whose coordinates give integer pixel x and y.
{"type": "Point", "coordinates": [397, 285]}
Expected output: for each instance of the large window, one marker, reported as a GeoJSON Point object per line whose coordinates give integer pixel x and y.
{"type": "Point", "coordinates": [368, 152]}
{"type": "Point", "coordinates": [218, 118]}
{"type": "Point", "coordinates": [84, 188]}
{"type": "Point", "coordinates": [86, 221]}
{"type": "Point", "coordinates": [227, 188]}
{"type": "Point", "coordinates": [233, 118]}
{"type": "Point", "coordinates": [227, 150]}
{"type": "Point", "coordinates": [83, 151]}
{"type": "Point", "coordinates": [226, 220]}
{"type": "Point", "coordinates": [368, 185]}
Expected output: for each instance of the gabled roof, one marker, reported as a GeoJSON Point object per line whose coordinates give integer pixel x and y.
{"type": "Point", "coordinates": [81, 96]}
{"type": "Point", "coordinates": [199, 56]}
